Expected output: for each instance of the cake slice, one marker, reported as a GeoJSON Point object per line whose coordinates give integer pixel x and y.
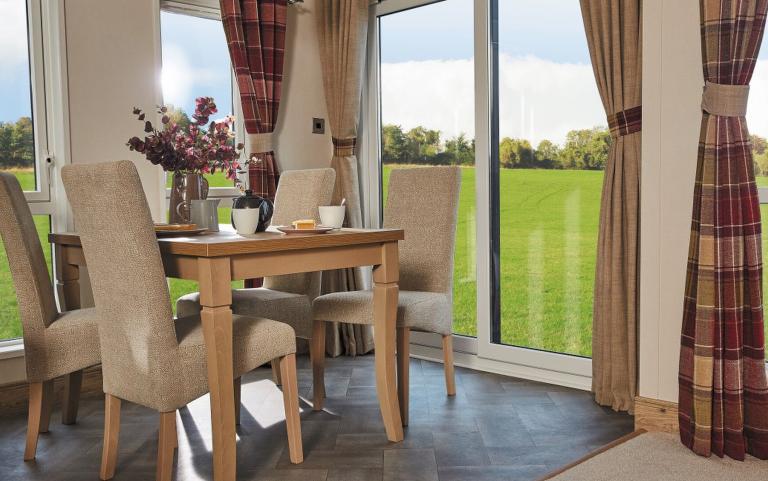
{"type": "Point", "coordinates": [304, 224]}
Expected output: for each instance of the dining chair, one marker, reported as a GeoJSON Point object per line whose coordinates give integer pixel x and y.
{"type": "Point", "coordinates": [55, 343]}
{"type": "Point", "coordinates": [147, 358]}
{"type": "Point", "coordinates": [286, 298]}
{"type": "Point", "coordinates": [424, 203]}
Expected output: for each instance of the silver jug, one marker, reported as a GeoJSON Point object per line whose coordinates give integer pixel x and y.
{"type": "Point", "coordinates": [205, 213]}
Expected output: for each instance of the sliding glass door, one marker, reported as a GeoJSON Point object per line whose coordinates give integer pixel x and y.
{"type": "Point", "coordinates": [504, 89]}
{"type": "Point", "coordinates": [427, 89]}
{"type": "Point", "coordinates": [553, 144]}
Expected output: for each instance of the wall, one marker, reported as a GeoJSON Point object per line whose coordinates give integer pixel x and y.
{"type": "Point", "coordinates": [672, 83]}
{"type": "Point", "coordinates": [113, 62]}
{"type": "Point", "coordinates": [302, 95]}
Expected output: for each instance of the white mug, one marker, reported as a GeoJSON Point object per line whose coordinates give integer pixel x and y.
{"type": "Point", "coordinates": [332, 215]}
{"type": "Point", "coordinates": [246, 220]}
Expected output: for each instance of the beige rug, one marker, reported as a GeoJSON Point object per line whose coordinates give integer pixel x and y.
{"type": "Point", "coordinates": [660, 457]}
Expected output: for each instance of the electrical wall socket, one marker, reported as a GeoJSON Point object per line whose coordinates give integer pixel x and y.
{"type": "Point", "coordinates": [318, 126]}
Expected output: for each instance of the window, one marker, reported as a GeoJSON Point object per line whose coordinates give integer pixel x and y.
{"type": "Point", "coordinates": [553, 144]}
{"type": "Point", "coordinates": [196, 64]}
{"type": "Point", "coordinates": [504, 89]}
{"type": "Point", "coordinates": [23, 141]}
{"type": "Point", "coordinates": [427, 118]}
{"type": "Point", "coordinates": [757, 121]}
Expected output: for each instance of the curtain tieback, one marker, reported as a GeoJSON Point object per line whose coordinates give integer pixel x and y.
{"type": "Point", "coordinates": [626, 122]}
{"type": "Point", "coordinates": [260, 143]}
{"type": "Point", "coordinates": [725, 100]}
{"type": "Point", "coordinates": [344, 147]}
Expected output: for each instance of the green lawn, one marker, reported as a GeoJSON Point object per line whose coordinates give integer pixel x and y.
{"type": "Point", "coordinates": [549, 236]}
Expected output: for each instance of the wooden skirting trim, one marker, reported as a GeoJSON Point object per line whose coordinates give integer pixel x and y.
{"type": "Point", "coordinates": [656, 415]}
{"type": "Point", "coordinates": [594, 453]}
{"type": "Point", "coordinates": [14, 397]}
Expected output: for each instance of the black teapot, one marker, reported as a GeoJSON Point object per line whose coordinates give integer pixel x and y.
{"type": "Point", "coordinates": [251, 212]}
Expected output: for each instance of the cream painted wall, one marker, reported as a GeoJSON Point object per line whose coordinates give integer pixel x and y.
{"type": "Point", "coordinates": [672, 83]}
{"type": "Point", "coordinates": [113, 63]}
{"type": "Point", "coordinates": [302, 96]}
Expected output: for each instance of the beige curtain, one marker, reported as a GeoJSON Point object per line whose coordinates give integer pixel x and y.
{"type": "Point", "coordinates": [342, 32]}
{"type": "Point", "coordinates": [613, 29]}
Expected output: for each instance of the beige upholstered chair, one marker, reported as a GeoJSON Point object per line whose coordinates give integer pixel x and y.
{"type": "Point", "coordinates": [148, 358]}
{"type": "Point", "coordinates": [55, 344]}
{"type": "Point", "coordinates": [285, 298]}
{"type": "Point", "coordinates": [424, 203]}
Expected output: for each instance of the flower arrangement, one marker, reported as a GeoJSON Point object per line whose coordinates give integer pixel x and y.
{"type": "Point", "coordinates": [196, 149]}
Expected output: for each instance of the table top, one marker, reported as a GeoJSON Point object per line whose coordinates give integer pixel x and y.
{"type": "Point", "coordinates": [228, 242]}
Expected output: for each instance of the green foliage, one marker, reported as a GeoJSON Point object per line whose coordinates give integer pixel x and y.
{"type": "Point", "coordinates": [17, 144]}
{"type": "Point", "coordinates": [585, 149]}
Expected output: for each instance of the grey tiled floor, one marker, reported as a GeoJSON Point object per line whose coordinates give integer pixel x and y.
{"type": "Point", "coordinates": [496, 428]}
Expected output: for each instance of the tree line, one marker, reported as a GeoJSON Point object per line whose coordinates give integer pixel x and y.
{"type": "Point", "coordinates": [585, 149]}
{"type": "Point", "coordinates": [17, 144]}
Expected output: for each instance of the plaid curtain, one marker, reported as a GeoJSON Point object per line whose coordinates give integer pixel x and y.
{"type": "Point", "coordinates": [723, 399]}
{"type": "Point", "coordinates": [255, 31]}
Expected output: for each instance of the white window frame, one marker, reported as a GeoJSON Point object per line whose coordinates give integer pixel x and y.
{"type": "Point", "coordinates": [478, 353]}
{"type": "Point", "coordinates": [42, 192]}
{"type": "Point", "coordinates": [209, 9]}
{"type": "Point", "coordinates": [48, 81]}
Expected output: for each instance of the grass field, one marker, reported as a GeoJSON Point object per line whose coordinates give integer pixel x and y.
{"type": "Point", "coordinates": [549, 235]}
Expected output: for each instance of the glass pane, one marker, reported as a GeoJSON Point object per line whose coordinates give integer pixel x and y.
{"type": "Point", "coordinates": [429, 122]}
{"type": "Point", "coordinates": [757, 120]}
{"type": "Point", "coordinates": [195, 64]}
{"type": "Point", "coordinates": [17, 143]}
{"type": "Point", "coordinates": [553, 144]}
{"type": "Point", "coordinates": [10, 325]}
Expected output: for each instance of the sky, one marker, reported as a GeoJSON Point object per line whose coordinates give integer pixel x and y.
{"type": "Point", "coordinates": [546, 82]}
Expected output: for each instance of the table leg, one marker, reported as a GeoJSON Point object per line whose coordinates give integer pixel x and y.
{"type": "Point", "coordinates": [216, 298]}
{"type": "Point", "coordinates": [385, 292]}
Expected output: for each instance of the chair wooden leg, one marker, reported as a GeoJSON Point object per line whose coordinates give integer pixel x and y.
{"type": "Point", "coordinates": [39, 415]}
{"type": "Point", "coordinates": [450, 377]}
{"type": "Point", "coordinates": [317, 353]}
{"type": "Point", "coordinates": [291, 402]}
{"type": "Point", "coordinates": [238, 393]}
{"type": "Point", "coordinates": [111, 436]}
{"type": "Point", "coordinates": [45, 415]}
{"type": "Point", "coordinates": [276, 373]}
{"type": "Point", "coordinates": [403, 369]}
{"type": "Point", "coordinates": [165, 446]}
{"type": "Point", "coordinates": [72, 384]}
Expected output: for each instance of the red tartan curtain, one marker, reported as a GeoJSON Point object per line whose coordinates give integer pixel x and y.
{"type": "Point", "coordinates": [255, 31]}
{"type": "Point", "coordinates": [723, 392]}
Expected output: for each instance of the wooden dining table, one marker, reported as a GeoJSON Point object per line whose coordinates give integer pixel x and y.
{"type": "Point", "coordinates": [216, 259]}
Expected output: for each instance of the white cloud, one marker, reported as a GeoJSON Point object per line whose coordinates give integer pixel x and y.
{"type": "Point", "coordinates": [179, 77]}
{"type": "Point", "coordinates": [539, 98]}
{"type": "Point", "coordinates": [13, 36]}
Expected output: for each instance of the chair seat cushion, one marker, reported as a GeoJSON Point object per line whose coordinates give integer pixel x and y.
{"type": "Point", "coordinates": [71, 344]}
{"type": "Point", "coordinates": [420, 311]}
{"type": "Point", "coordinates": [293, 309]}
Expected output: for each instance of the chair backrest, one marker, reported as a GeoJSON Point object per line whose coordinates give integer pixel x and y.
{"type": "Point", "coordinates": [424, 203]}
{"type": "Point", "coordinates": [298, 195]}
{"type": "Point", "coordinates": [136, 331]}
{"type": "Point", "coordinates": [34, 289]}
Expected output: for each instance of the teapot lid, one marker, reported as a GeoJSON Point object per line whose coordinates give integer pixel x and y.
{"type": "Point", "coordinates": [247, 201]}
